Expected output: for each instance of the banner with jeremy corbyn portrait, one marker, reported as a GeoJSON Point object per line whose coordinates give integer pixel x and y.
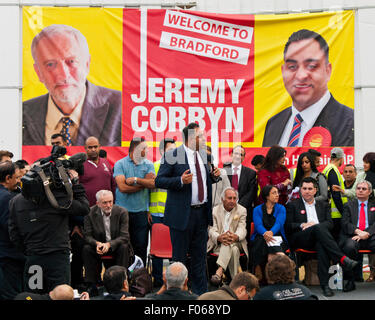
{"type": "Point", "coordinates": [250, 80]}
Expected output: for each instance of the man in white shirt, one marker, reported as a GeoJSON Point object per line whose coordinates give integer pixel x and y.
{"type": "Point", "coordinates": [308, 226]}
{"type": "Point", "coordinates": [227, 236]}
{"type": "Point", "coordinates": [306, 72]}
{"type": "Point", "coordinates": [106, 233]}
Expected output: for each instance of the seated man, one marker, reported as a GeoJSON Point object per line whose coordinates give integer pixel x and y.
{"type": "Point", "coordinates": [106, 233]}
{"type": "Point", "coordinates": [243, 286]}
{"type": "Point", "coordinates": [227, 236]}
{"type": "Point", "coordinates": [358, 227]}
{"type": "Point", "coordinates": [308, 225]}
{"type": "Point", "coordinates": [175, 287]}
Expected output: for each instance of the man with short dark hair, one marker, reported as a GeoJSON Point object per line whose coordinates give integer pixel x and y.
{"type": "Point", "coordinates": [188, 211]}
{"type": "Point", "coordinates": [349, 173]}
{"type": "Point", "coordinates": [57, 139]}
{"type": "Point", "coordinates": [12, 261]}
{"type": "Point", "coordinates": [135, 176]}
{"type": "Point", "coordinates": [308, 226]}
{"type": "Point", "coordinates": [243, 286]}
{"type": "Point", "coordinates": [258, 161]}
{"type": "Point", "coordinates": [306, 72]}
{"type": "Point", "coordinates": [5, 155]}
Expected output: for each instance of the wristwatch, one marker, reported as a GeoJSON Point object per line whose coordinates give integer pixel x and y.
{"type": "Point", "coordinates": [135, 181]}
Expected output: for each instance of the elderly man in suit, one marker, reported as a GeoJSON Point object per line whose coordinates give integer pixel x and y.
{"type": "Point", "coordinates": [308, 226]}
{"type": "Point", "coordinates": [306, 72]}
{"type": "Point", "coordinates": [358, 227]}
{"type": "Point", "coordinates": [188, 210]}
{"type": "Point", "coordinates": [106, 233]}
{"type": "Point", "coordinates": [73, 106]}
{"type": "Point", "coordinates": [227, 236]}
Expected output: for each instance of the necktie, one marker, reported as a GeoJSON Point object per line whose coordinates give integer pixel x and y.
{"type": "Point", "coordinates": [296, 131]}
{"type": "Point", "coordinates": [199, 178]}
{"type": "Point", "coordinates": [235, 178]}
{"type": "Point", "coordinates": [362, 217]}
{"type": "Point", "coordinates": [65, 130]}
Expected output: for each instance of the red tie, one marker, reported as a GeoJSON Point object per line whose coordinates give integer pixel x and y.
{"type": "Point", "coordinates": [235, 179]}
{"type": "Point", "coordinates": [362, 217]}
{"type": "Point", "coordinates": [199, 178]}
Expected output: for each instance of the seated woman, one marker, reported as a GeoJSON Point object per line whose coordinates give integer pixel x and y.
{"type": "Point", "coordinates": [306, 168]}
{"type": "Point", "coordinates": [269, 219]}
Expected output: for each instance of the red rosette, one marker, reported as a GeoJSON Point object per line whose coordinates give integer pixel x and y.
{"type": "Point", "coordinates": [317, 137]}
{"type": "Point", "coordinates": [303, 211]}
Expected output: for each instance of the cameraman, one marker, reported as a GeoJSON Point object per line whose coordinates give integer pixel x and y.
{"type": "Point", "coordinates": [42, 232]}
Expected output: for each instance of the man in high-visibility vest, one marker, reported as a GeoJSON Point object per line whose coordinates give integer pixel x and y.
{"type": "Point", "coordinates": [333, 175]}
{"type": "Point", "coordinates": [158, 197]}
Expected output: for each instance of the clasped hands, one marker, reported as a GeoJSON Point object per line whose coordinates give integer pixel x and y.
{"type": "Point", "coordinates": [227, 238]}
{"type": "Point", "coordinates": [102, 248]}
{"type": "Point", "coordinates": [360, 235]}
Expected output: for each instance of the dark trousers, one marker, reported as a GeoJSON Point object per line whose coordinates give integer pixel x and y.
{"type": "Point", "coordinates": [11, 278]}
{"type": "Point", "coordinates": [319, 238]}
{"type": "Point", "coordinates": [138, 230]}
{"type": "Point", "coordinates": [92, 261]}
{"type": "Point", "coordinates": [55, 268]}
{"type": "Point", "coordinates": [157, 263]}
{"type": "Point", "coordinates": [193, 241]}
{"type": "Point", "coordinates": [351, 248]}
{"type": "Point", "coordinates": [76, 266]}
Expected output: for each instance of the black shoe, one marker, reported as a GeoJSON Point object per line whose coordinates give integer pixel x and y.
{"type": "Point", "coordinates": [349, 286]}
{"type": "Point", "coordinates": [349, 264]}
{"type": "Point", "coordinates": [327, 292]}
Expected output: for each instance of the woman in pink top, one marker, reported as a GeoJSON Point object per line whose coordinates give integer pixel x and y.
{"type": "Point", "coordinates": [275, 173]}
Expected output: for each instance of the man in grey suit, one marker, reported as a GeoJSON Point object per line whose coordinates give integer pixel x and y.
{"type": "Point", "coordinates": [73, 106]}
{"type": "Point", "coordinates": [106, 233]}
{"type": "Point", "coordinates": [306, 72]}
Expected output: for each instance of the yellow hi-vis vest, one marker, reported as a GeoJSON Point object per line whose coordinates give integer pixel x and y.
{"type": "Point", "coordinates": [158, 197]}
{"type": "Point", "coordinates": [335, 213]}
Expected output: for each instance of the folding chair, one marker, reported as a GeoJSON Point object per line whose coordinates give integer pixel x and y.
{"type": "Point", "coordinates": [160, 244]}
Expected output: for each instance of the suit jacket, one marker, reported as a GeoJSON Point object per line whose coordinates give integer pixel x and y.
{"type": "Point", "coordinates": [101, 117]}
{"type": "Point", "coordinates": [350, 218]}
{"type": "Point", "coordinates": [247, 186]}
{"type": "Point", "coordinates": [337, 118]}
{"type": "Point", "coordinates": [177, 208]}
{"type": "Point", "coordinates": [94, 227]}
{"type": "Point", "coordinates": [237, 225]}
{"type": "Point", "coordinates": [296, 215]}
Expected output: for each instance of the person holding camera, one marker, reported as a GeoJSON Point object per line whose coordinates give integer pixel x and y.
{"type": "Point", "coordinates": [39, 221]}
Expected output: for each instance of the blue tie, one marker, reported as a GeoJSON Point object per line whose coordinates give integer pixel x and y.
{"type": "Point", "coordinates": [296, 131]}
{"type": "Point", "coordinates": [65, 130]}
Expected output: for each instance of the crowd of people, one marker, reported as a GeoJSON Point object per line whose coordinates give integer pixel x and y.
{"type": "Point", "coordinates": [262, 215]}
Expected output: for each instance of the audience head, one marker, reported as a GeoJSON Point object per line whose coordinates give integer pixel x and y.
{"type": "Point", "coordinates": [92, 147]}
{"type": "Point", "coordinates": [138, 149]}
{"type": "Point", "coordinates": [309, 188]}
{"type": "Point", "coordinates": [270, 194]}
{"type": "Point", "coordinates": [364, 190]}
{"type": "Point", "coordinates": [337, 156]}
{"type": "Point", "coordinates": [62, 292]}
{"type": "Point", "coordinates": [316, 156]}
{"type": "Point", "coordinates": [166, 144]}
{"type": "Point", "coordinates": [258, 161]}
{"type": "Point", "coordinates": [229, 197]}
{"type": "Point", "coordinates": [115, 279]}
{"type": "Point", "coordinates": [275, 158]}
{"type": "Point", "coordinates": [9, 175]}
{"type": "Point", "coordinates": [176, 276]}
{"type": "Point", "coordinates": [193, 136]}
{"type": "Point", "coordinates": [368, 161]}
{"type": "Point", "coordinates": [57, 139]}
{"type": "Point", "coordinates": [102, 153]}
{"type": "Point", "coordinates": [5, 155]}
{"type": "Point", "coordinates": [23, 166]}
{"type": "Point", "coordinates": [280, 270]}
{"type": "Point", "coordinates": [238, 154]}
{"type": "Point", "coordinates": [349, 173]}
{"type": "Point", "coordinates": [245, 285]}
{"type": "Point", "coordinates": [104, 200]}
{"type": "Point", "coordinates": [305, 165]}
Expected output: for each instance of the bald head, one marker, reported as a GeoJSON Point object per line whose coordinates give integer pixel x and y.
{"type": "Point", "coordinates": [176, 275]}
{"type": "Point", "coordinates": [92, 147]}
{"type": "Point", "coordinates": [62, 292]}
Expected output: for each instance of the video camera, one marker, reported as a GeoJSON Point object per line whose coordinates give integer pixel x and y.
{"type": "Point", "coordinates": [51, 175]}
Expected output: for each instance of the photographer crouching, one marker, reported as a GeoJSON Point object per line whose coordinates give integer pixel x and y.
{"type": "Point", "coordinates": [39, 219]}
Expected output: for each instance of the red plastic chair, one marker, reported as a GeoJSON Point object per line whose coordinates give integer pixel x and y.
{"type": "Point", "coordinates": [160, 244]}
